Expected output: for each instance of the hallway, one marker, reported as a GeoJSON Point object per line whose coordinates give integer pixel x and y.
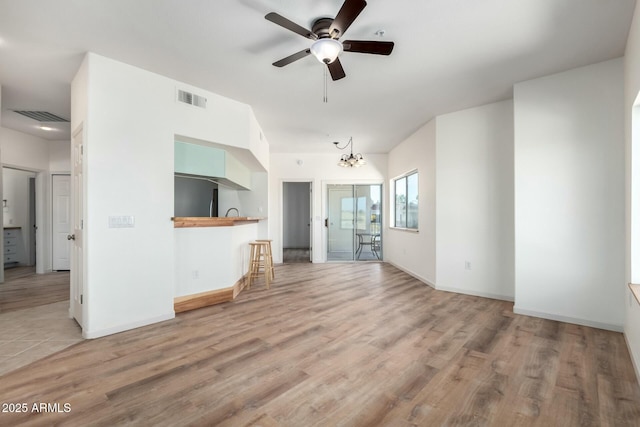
{"type": "Point", "coordinates": [34, 314]}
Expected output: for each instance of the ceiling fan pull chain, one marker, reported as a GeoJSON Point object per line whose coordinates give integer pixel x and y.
{"type": "Point", "coordinates": [325, 99]}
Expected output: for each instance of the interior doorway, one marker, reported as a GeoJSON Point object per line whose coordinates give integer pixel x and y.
{"type": "Point", "coordinates": [354, 222]}
{"type": "Point", "coordinates": [34, 306]}
{"type": "Point", "coordinates": [296, 222]}
{"type": "Point", "coordinates": [19, 217]}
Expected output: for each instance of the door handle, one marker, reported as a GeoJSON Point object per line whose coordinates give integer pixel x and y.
{"type": "Point", "coordinates": [71, 237]}
{"type": "Point", "coordinates": [326, 222]}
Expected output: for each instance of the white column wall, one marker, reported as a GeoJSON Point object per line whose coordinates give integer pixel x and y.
{"type": "Point", "coordinates": [632, 146]}
{"type": "Point", "coordinates": [569, 203]}
{"type": "Point", "coordinates": [474, 201]}
{"type": "Point", "coordinates": [129, 162]}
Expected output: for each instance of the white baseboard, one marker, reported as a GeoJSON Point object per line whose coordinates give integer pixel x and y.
{"type": "Point", "coordinates": [636, 368]}
{"type": "Point", "coordinates": [411, 273]}
{"type": "Point", "coordinates": [567, 319]}
{"type": "Point", "coordinates": [475, 293]}
{"type": "Point", "coordinates": [127, 326]}
{"type": "Point", "coordinates": [452, 289]}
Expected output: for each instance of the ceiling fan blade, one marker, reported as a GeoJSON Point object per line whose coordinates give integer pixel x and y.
{"type": "Point", "coordinates": [336, 70]}
{"type": "Point", "coordinates": [345, 17]}
{"type": "Point", "coordinates": [365, 46]}
{"type": "Point", "coordinates": [289, 59]}
{"type": "Point", "coordinates": [289, 25]}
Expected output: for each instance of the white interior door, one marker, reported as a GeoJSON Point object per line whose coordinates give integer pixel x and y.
{"type": "Point", "coordinates": [61, 222]}
{"type": "Point", "coordinates": [77, 221]}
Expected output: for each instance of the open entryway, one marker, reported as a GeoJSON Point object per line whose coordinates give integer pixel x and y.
{"type": "Point", "coordinates": [19, 217]}
{"type": "Point", "coordinates": [354, 222]}
{"type": "Point", "coordinates": [34, 305]}
{"type": "Point", "coordinates": [296, 222]}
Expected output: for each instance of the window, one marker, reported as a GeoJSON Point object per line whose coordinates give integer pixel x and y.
{"type": "Point", "coordinates": [406, 201]}
{"type": "Point", "coordinates": [348, 209]}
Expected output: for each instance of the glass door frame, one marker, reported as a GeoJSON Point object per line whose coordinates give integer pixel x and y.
{"type": "Point", "coordinates": [325, 209]}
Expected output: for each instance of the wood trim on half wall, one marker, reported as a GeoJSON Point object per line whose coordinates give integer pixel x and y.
{"type": "Point", "coordinates": [205, 299]}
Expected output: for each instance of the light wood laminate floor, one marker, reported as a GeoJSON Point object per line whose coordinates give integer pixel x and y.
{"type": "Point", "coordinates": [23, 288]}
{"type": "Point", "coordinates": [353, 344]}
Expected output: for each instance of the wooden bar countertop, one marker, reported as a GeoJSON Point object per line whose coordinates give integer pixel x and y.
{"type": "Point", "coordinates": [205, 221]}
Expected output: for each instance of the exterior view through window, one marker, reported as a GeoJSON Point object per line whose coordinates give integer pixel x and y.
{"type": "Point", "coordinates": [406, 201]}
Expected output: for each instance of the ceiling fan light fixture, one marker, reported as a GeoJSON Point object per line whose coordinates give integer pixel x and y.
{"type": "Point", "coordinates": [326, 50]}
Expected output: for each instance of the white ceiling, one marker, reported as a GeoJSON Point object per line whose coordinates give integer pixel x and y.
{"type": "Point", "coordinates": [449, 55]}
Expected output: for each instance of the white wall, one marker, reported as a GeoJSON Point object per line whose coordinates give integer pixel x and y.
{"type": "Point", "coordinates": [414, 252]}
{"type": "Point", "coordinates": [569, 204]}
{"type": "Point", "coordinates": [59, 156]}
{"type": "Point", "coordinates": [129, 121]}
{"type": "Point", "coordinates": [256, 202]}
{"type": "Point", "coordinates": [320, 169]}
{"type": "Point", "coordinates": [474, 201]}
{"type": "Point", "coordinates": [632, 146]}
{"type": "Point", "coordinates": [129, 163]}
{"type": "Point", "coordinates": [203, 264]}
{"type": "Point", "coordinates": [24, 151]}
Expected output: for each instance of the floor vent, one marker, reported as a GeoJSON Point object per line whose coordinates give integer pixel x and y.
{"type": "Point", "coordinates": [41, 116]}
{"type": "Point", "coordinates": [192, 99]}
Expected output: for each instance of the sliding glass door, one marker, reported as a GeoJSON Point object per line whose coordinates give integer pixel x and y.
{"type": "Point", "coordinates": [354, 222]}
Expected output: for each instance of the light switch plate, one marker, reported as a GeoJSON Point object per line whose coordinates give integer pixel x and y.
{"type": "Point", "coordinates": [122, 221]}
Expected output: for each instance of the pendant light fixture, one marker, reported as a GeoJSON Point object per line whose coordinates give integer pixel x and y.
{"type": "Point", "coordinates": [350, 161]}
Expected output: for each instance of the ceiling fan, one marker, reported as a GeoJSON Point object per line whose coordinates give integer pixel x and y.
{"type": "Point", "coordinates": [326, 32]}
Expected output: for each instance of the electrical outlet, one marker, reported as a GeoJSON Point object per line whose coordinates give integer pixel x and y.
{"type": "Point", "coordinates": [467, 265]}
{"type": "Point", "coordinates": [195, 274]}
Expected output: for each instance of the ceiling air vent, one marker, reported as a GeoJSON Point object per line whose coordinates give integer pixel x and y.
{"type": "Point", "coordinates": [192, 99]}
{"type": "Point", "coordinates": [41, 116]}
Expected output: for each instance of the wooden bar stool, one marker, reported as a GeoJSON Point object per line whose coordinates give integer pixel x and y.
{"type": "Point", "coordinates": [259, 259]}
{"type": "Point", "coordinates": [269, 256]}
